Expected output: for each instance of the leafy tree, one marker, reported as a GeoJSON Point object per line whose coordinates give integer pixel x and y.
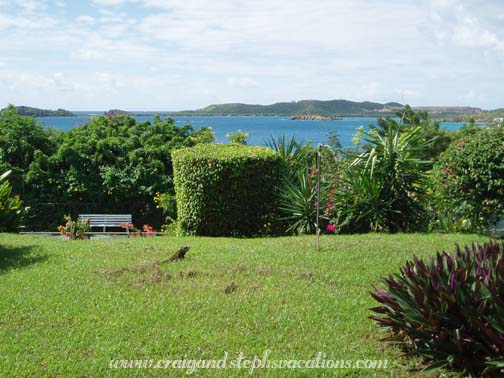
{"type": "Point", "coordinates": [112, 164]}
{"type": "Point", "coordinates": [21, 140]}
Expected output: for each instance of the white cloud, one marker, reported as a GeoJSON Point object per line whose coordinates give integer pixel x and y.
{"type": "Point", "coordinates": [241, 82]}
{"type": "Point", "coordinates": [188, 53]}
{"type": "Point", "coordinates": [86, 19]}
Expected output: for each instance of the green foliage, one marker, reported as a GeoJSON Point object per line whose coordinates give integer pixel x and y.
{"type": "Point", "coordinates": [298, 194]}
{"type": "Point", "coordinates": [168, 203]}
{"type": "Point", "coordinates": [469, 179]}
{"type": "Point", "coordinates": [297, 201]}
{"type": "Point", "coordinates": [112, 164]}
{"type": "Point", "coordinates": [227, 189]}
{"type": "Point", "coordinates": [21, 141]}
{"type": "Point", "coordinates": [10, 206]}
{"type": "Point", "coordinates": [439, 138]}
{"type": "Point", "coordinates": [238, 137]}
{"type": "Point", "coordinates": [360, 204]}
{"type": "Point", "coordinates": [203, 135]}
{"type": "Point", "coordinates": [394, 187]}
{"type": "Point", "coordinates": [297, 156]}
{"type": "Point", "coordinates": [334, 142]}
{"type": "Point", "coordinates": [449, 309]}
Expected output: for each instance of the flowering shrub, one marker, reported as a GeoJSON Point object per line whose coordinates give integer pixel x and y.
{"type": "Point", "coordinates": [74, 229]}
{"type": "Point", "coordinates": [147, 230]}
{"type": "Point", "coordinates": [469, 179]}
{"type": "Point", "coordinates": [450, 309]}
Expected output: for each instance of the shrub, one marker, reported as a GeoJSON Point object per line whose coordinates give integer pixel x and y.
{"type": "Point", "coordinates": [74, 229]}
{"type": "Point", "coordinates": [10, 206]}
{"type": "Point", "coordinates": [239, 137]}
{"type": "Point", "coordinates": [385, 185]}
{"type": "Point", "coordinates": [227, 190]}
{"type": "Point", "coordinates": [469, 179]}
{"type": "Point", "coordinates": [450, 310]}
{"type": "Point", "coordinates": [298, 156]}
{"type": "Point", "coordinates": [298, 201]}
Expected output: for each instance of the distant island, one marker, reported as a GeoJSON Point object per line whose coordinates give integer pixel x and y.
{"type": "Point", "coordinates": [332, 108]}
{"type": "Point", "coordinates": [302, 110]}
{"type": "Point", "coordinates": [311, 117]}
{"type": "Point", "coordinates": [115, 112]}
{"type": "Point", "coordinates": [36, 112]}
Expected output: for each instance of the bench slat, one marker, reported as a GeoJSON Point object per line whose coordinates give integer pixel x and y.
{"type": "Point", "coordinates": [106, 220]}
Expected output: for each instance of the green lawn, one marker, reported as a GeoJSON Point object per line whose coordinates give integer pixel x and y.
{"type": "Point", "coordinates": [65, 313]}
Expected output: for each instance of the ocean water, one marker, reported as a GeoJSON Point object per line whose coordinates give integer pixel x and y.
{"type": "Point", "coordinates": [260, 129]}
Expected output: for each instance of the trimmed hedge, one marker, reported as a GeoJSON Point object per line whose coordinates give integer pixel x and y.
{"type": "Point", "coordinates": [227, 190]}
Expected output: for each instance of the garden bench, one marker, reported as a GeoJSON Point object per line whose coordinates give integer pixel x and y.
{"type": "Point", "coordinates": [106, 220]}
{"type": "Point", "coordinates": [498, 228]}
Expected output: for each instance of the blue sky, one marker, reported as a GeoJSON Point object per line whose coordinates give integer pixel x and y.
{"type": "Point", "coordinates": [185, 54]}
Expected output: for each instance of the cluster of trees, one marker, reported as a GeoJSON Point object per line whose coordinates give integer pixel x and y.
{"type": "Point", "coordinates": [113, 164]}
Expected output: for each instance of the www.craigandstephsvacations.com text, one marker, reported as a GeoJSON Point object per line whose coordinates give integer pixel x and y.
{"type": "Point", "coordinates": [191, 365]}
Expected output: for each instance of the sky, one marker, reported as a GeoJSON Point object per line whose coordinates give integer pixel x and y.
{"type": "Point", "coordinates": [186, 54]}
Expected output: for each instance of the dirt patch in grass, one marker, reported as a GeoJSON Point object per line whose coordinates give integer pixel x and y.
{"type": "Point", "coordinates": [153, 273]}
{"type": "Point", "coordinates": [192, 273]}
{"type": "Point", "coordinates": [305, 276]}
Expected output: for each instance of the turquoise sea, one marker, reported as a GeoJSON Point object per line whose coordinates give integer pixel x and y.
{"type": "Point", "coordinates": [260, 129]}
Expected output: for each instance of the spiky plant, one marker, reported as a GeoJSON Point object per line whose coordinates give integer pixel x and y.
{"type": "Point", "coordinates": [449, 309]}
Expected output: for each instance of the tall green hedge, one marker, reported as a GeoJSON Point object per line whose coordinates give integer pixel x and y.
{"type": "Point", "coordinates": [227, 190]}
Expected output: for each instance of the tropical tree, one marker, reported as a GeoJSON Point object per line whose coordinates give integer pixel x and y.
{"type": "Point", "coordinates": [385, 186]}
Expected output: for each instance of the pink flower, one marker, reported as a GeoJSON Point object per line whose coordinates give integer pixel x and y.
{"type": "Point", "coordinates": [331, 228]}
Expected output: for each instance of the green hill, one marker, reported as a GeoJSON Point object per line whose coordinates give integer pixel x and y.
{"type": "Point", "coordinates": [332, 108]}
{"type": "Point", "coordinates": [36, 112]}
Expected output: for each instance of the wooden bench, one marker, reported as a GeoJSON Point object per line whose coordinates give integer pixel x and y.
{"type": "Point", "coordinates": [106, 220]}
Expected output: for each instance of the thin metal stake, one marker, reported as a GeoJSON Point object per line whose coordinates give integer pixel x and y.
{"type": "Point", "coordinates": [319, 158]}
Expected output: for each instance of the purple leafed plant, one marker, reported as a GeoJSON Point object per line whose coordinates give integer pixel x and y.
{"type": "Point", "coordinates": [449, 309]}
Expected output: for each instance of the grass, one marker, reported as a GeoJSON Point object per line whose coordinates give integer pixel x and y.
{"type": "Point", "coordinates": [64, 312]}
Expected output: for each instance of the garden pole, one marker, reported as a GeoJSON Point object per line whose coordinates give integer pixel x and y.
{"type": "Point", "coordinates": [319, 158]}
